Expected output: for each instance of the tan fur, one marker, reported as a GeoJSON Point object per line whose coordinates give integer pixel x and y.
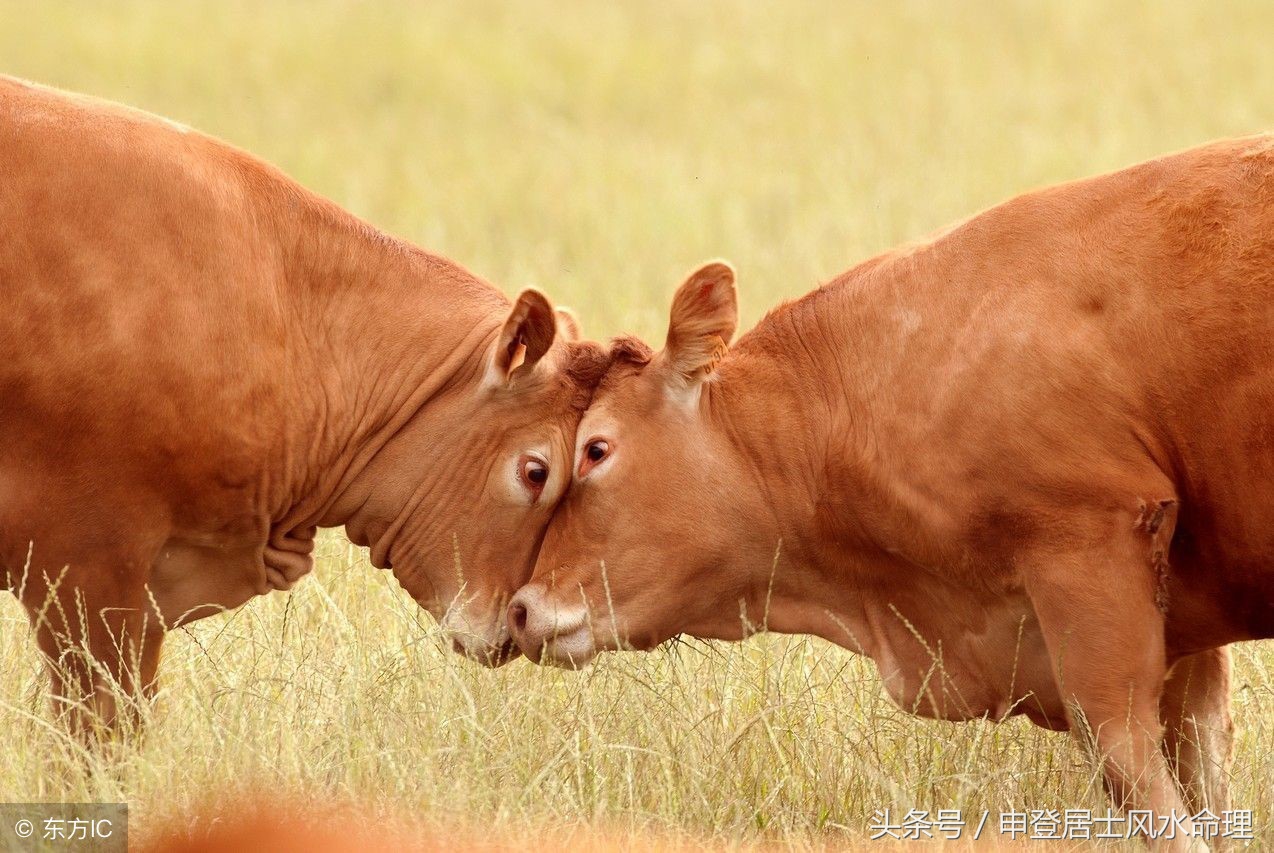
{"type": "Point", "coordinates": [1025, 466]}
{"type": "Point", "coordinates": [201, 363]}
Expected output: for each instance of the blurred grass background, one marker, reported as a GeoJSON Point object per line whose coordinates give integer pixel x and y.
{"type": "Point", "coordinates": [601, 151]}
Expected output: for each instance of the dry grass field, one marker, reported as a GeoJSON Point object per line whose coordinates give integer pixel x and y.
{"type": "Point", "coordinates": [600, 151]}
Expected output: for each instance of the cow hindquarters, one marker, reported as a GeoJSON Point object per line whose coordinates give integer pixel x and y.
{"type": "Point", "coordinates": [1098, 609]}
{"type": "Point", "coordinates": [1198, 729]}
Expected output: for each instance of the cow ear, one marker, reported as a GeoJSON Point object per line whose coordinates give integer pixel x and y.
{"type": "Point", "coordinates": [568, 325]}
{"type": "Point", "coordinates": [704, 316]}
{"type": "Point", "coordinates": [526, 335]}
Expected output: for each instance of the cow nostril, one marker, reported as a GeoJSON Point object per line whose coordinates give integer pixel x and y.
{"type": "Point", "coordinates": [517, 617]}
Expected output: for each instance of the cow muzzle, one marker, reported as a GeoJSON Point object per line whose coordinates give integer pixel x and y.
{"type": "Point", "coordinates": [549, 632]}
{"type": "Point", "coordinates": [486, 641]}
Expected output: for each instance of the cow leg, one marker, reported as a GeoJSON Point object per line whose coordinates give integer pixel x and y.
{"type": "Point", "coordinates": [1198, 730]}
{"type": "Point", "coordinates": [102, 647]}
{"type": "Point", "coordinates": [1105, 634]}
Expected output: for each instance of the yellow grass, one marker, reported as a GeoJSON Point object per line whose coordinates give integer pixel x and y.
{"type": "Point", "coordinates": [600, 151]}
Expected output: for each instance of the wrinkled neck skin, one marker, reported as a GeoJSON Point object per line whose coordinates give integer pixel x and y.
{"type": "Point", "coordinates": [380, 329]}
{"type": "Point", "coordinates": [808, 383]}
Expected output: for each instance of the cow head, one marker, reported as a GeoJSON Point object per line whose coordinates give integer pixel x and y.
{"type": "Point", "coordinates": [456, 503]}
{"type": "Point", "coordinates": [648, 541]}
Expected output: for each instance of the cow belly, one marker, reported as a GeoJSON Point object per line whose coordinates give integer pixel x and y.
{"type": "Point", "coordinates": [190, 581]}
{"type": "Point", "coordinates": [1000, 670]}
{"type": "Point", "coordinates": [953, 692]}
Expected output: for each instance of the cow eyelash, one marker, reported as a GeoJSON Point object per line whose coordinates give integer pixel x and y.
{"type": "Point", "coordinates": [533, 473]}
{"type": "Point", "coordinates": [596, 451]}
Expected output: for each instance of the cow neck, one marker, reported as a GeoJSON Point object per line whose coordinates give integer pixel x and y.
{"type": "Point", "coordinates": [796, 398]}
{"type": "Point", "coordinates": [383, 328]}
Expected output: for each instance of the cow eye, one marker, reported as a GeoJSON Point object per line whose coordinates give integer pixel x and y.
{"type": "Point", "coordinates": [534, 474]}
{"type": "Point", "coordinates": [595, 451]}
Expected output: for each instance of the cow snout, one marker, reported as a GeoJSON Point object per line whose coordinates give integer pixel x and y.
{"type": "Point", "coordinates": [480, 639]}
{"type": "Point", "coordinates": [548, 631]}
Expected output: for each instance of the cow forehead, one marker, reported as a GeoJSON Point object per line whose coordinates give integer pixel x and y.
{"type": "Point", "coordinates": [598, 421]}
{"type": "Point", "coordinates": [550, 397]}
{"type": "Point", "coordinates": [637, 405]}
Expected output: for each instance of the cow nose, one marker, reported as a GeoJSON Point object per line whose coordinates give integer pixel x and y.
{"type": "Point", "coordinates": [548, 630]}
{"type": "Point", "coordinates": [517, 617]}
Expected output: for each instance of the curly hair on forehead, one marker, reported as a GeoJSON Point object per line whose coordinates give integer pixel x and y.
{"type": "Point", "coordinates": [630, 350]}
{"type": "Point", "coordinates": [585, 365]}
{"type": "Point", "coordinates": [588, 362]}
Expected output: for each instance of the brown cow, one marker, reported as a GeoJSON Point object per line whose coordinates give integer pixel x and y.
{"type": "Point", "coordinates": [1025, 466]}
{"type": "Point", "coordinates": [201, 363]}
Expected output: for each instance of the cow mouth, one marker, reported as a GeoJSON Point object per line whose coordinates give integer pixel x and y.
{"type": "Point", "coordinates": [575, 650]}
{"type": "Point", "coordinates": [492, 658]}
